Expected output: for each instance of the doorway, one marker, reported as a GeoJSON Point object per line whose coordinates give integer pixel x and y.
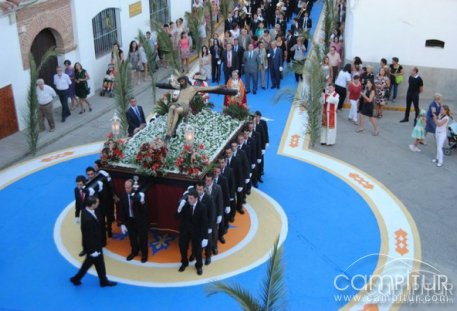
{"type": "Point", "coordinates": [42, 42]}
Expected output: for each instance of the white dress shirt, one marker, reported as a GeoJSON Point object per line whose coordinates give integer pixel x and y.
{"type": "Point", "coordinates": [62, 82]}
{"type": "Point", "coordinates": [45, 95]}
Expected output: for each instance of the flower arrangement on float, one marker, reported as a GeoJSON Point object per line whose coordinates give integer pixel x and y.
{"type": "Point", "coordinates": [113, 149]}
{"type": "Point", "coordinates": [192, 161]}
{"type": "Point", "coordinates": [152, 156]}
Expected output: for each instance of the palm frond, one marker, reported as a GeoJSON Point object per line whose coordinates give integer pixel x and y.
{"type": "Point", "coordinates": [273, 285]}
{"type": "Point", "coordinates": [209, 11]}
{"type": "Point", "coordinates": [123, 90]}
{"type": "Point", "coordinates": [224, 8]}
{"type": "Point", "coordinates": [315, 84]}
{"type": "Point", "coordinates": [151, 55]}
{"type": "Point", "coordinates": [242, 296]}
{"type": "Point", "coordinates": [194, 23]}
{"type": "Point", "coordinates": [166, 46]}
{"type": "Point", "coordinates": [31, 110]}
{"type": "Point", "coordinates": [288, 93]}
{"type": "Point", "coordinates": [329, 22]}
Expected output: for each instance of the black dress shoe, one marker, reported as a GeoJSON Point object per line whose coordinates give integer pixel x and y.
{"type": "Point", "coordinates": [131, 256]}
{"type": "Point", "coordinates": [273, 87]}
{"type": "Point", "coordinates": [260, 180]}
{"type": "Point", "coordinates": [81, 253]}
{"type": "Point", "coordinates": [110, 234]}
{"type": "Point", "coordinates": [232, 219]}
{"type": "Point", "coordinates": [215, 251]}
{"type": "Point", "coordinates": [144, 259]}
{"type": "Point", "coordinates": [207, 261]}
{"type": "Point", "coordinates": [263, 88]}
{"type": "Point", "coordinates": [247, 92]}
{"type": "Point", "coordinates": [192, 257]}
{"type": "Point", "coordinates": [182, 268]}
{"type": "Point", "coordinates": [108, 284]}
{"type": "Point", "coordinates": [240, 211]}
{"type": "Point", "coordinates": [222, 240]}
{"type": "Point", "coordinates": [404, 120]}
{"type": "Point", "coordinates": [75, 281]}
{"type": "Point", "coordinates": [63, 119]}
{"type": "Point", "coordinates": [199, 271]}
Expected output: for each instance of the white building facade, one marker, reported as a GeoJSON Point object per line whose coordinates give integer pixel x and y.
{"type": "Point", "coordinates": [82, 31]}
{"type": "Point", "coordinates": [391, 28]}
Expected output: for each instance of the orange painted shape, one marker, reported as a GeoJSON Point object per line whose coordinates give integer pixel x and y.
{"type": "Point", "coordinates": [294, 139]}
{"type": "Point", "coordinates": [370, 307]}
{"type": "Point", "coordinates": [401, 244]}
{"type": "Point", "coordinates": [58, 156]}
{"type": "Point", "coordinates": [361, 181]}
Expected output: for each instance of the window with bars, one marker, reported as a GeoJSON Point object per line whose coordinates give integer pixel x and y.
{"type": "Point", "coordinates": [105, 26]}
{"type": "Point", "coordinates": [160, 11]}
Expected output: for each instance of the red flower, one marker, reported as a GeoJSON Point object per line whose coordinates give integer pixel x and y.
{"type": "Point", "coordinates": [109, 136]}
{"type": "Point", "coordinates": [201, 147]}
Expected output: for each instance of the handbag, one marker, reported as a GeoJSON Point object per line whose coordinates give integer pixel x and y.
{"type": "Point", "coordinates": [87, 88]}
{"type": "Point", "coordinates": [398, 79]}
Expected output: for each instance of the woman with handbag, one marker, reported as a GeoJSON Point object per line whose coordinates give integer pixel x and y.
{"type": "Point", "coordinates": [396, 77]}
{"type": "Point", "coordinates": [82, 88]}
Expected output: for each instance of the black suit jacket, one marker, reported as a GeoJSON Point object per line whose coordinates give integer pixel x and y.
{"type": "Point", "coordinates": [196, 224]}
{"type": "Point", "coordinates": [239, 54]}
{"type": "Point", "coordinates": [223, 183]}
{"type": "Point", "coordinates": [91, 232]}
{"type": "Point", "coordinates": [228, 174]}
{"type": "Point", "coordinates": [265, 129]}
{"type": "Point", "coordinates": [133, 119]}
{"type": "Point", "coordinates": [234, 60]}
{"type": "Point", "coordinates": [207, 202]}
{"type": "Point", "coordinates": [79, 202]}
{"type": "Point", "coordinates": [242, 157]}
{"type": "Point", "coordinates": [237, 168]}
{"type": "Point", "coordinates": [140, 211]}
{"type": "Point", "coordinates": [213, 52]}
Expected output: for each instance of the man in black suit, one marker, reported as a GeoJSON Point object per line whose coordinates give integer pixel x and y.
{"type": "Point", "coordinates": [276, 60]}
{"type": "Point", "coordinates": [92, 244]}
{"type": "Point", "coordinates": [106, 196]}
{"type": "Point", "coordinates": [94, 186]}
{"type": "Point", "coordinates": [80, 196]}
{"type": "Point", "coordinates": [205, 199]}
{"type": "Point", "coordinates": [263, 126]}
{"type": "Point", "coordinates": [227, 172]}
{"type": "Point", "coordinates": [307, 24]}
{"type": "Point", "coordinates": [230, 62]}
{"type": "Point", "coordinates": [193, 229]}
{"type": "Point", "coordinates": [238, 177]}
{"type": "Point", "coordinates": [135, 117]}
{"type": "Point", "coordinates": [215, 193]}
{"type": "Point", "coordinates": [135, 221]}
{"type": "Point", "coordinates": [239, 52]}
{"type": "Point", "coordinates": [243, 158]}
{"type": "Point", "coordinates": [222, 182]}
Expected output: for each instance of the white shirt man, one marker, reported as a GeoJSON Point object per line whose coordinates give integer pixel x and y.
{"type": "Point", "coordinates": [45, 95]}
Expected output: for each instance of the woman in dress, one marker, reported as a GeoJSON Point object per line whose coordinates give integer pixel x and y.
{"type": "Point", "coordinates": [382, 85]}
{"type": "Point", "coordinates": [81, 87]}
{"type": "Point", "coordinates": [366, 108]}
{"type": "Point", "coordinates": [135, 62]}
{"type": "Point", "coordinates": [327, 70]}
{"type": "Point", "coordinates": [441, 121]}
{"type": "Point", "coordinates": [205, 62]}
{"type": "Point", "coordinates": [329, 104]}
{"type": "Point", "coordinates": [184, 51]}
{"type": "Point", "coordinates": [355, 91]}
{"type": "Point", "coordinates": [70, 71]}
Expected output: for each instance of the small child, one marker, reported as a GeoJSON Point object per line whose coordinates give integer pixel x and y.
{"type": "Point", "coordinates": [418, 132]}
{"type": "Point", "coordinates": [108, 81]}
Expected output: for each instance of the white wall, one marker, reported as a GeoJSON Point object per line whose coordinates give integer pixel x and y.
{"type": "Point", "coordinates": [84, 11]}
{"type": "Point", "coordinates": [388, 28]}
{"type": "Point", "coordinates": [11, 63]}
{"type": "Point", "coordinates": [178, 8]}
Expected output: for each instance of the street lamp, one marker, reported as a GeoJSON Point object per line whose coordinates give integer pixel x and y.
{"type": "Point", "coordinates": [116, 124]}
{"type": "Point", "coordinates": [189, 134]}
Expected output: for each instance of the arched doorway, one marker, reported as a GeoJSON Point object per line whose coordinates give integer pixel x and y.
{"type": "Point", "coordinates": [42, 42]}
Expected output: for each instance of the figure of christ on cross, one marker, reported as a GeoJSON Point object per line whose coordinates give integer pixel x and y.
{"type": "Point", "coordinates": [182, 106]}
